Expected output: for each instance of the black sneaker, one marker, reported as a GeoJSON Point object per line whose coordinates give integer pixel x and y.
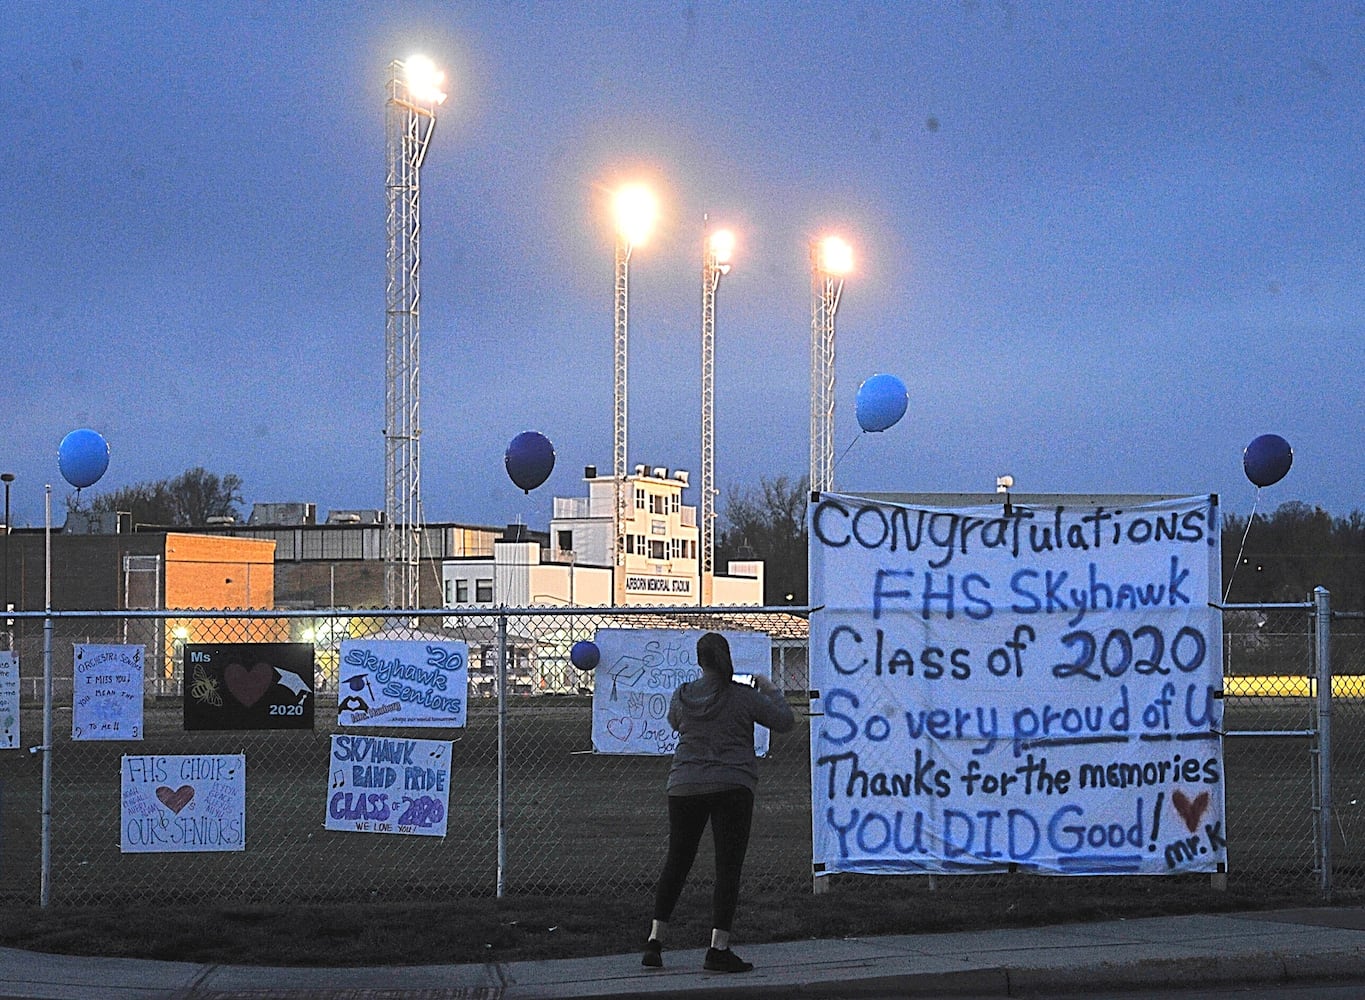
{"type": "Point", "coordinates": [654, 954]}
{"type": "Point", "coordinates": [725, 960]}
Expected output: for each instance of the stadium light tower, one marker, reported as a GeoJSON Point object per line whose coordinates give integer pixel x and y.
{"type": "Point", "coordinates": [414, 93]}
{"type": "Point", "coordinates": [636, 210]}
{"type": "Point", "coordinates": [831, 258]}
{"type": "Point", "coordinates": [718, 246]}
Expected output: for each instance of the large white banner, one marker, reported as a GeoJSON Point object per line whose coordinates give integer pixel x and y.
{"type": "Point", "coordinates": [637, 674]}
{"type": "Point", "coordinates": [106, 692]}
{"type": "Point", "coordinates": [1033, 688]}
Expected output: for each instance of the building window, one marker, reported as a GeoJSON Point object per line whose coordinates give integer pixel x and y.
{"type": "Point", "coordinates": [673, 502]}
{"type": "Point", "coordinates": [450, 591]}
{"type": "Point", "coordinates": [483, 591]}
{"type": "Point", "coordinates": [657, 550]}
{"type": "Point", "coordinates": [639, 498]}
{"type": "Point", "coordinates": [658, 504]}
{"type": "Point", "coordinates": [566, 541]}
{"type": "Point", "coordinates": [461, 591]}
{"type": "Point", "coordinates": [630, 545]}
{"type": "Point", "coordinates": [640, 545]}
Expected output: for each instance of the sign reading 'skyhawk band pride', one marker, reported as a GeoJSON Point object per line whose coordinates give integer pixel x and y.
{"type": "Point", "coordinates": [1029, 686]}
{"type": "Point", "coordinates": [382, 785]}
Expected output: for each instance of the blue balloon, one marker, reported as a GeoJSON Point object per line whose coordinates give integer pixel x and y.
{"type": "Point", "coordinates": [82, 458]}
{"type": "Point", "coordinates": [1267, 459]}
{"type": "Point", "coordinates": [585, 655]}
{"type": "Point", "coordinates": [530, 458]}
{"type": "Point", "coordinates": [882, 400]}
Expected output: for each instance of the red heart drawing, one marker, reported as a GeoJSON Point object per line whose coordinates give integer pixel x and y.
{"type": "Point", "coordinates": [248, 686]}
{"type": "Point", "coordinates": [1191, 811]}
{"type": "Point", "coordinates": [175, 800]}
{"type": "Point", "coordinates": [620, 728]}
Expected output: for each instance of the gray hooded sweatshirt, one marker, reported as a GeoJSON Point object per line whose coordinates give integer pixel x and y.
{"type": "Point", "coordinates": [715, 722]}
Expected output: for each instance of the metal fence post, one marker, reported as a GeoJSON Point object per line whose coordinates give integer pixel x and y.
{"type": "Point", "coordinates": [45, 879]}
{"type": "Point", "coordinates": [502, 755]}
{"type": "Point", "coordinates": [1323, 655]}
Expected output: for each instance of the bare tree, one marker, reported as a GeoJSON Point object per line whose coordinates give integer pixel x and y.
{"type": "Point", "coordinates": [187, 500]}
{"type": "Point", "coordinates": [769, 523]}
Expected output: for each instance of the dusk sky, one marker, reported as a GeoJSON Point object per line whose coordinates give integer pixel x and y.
{"type": "Point", "coordinates": [1104, 245]}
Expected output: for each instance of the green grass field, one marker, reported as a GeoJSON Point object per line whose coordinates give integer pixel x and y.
{"type": "Point", "coordinates": [584, 841]}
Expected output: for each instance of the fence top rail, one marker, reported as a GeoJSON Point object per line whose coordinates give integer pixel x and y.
{"type": "Point", "coordinates": [616, 611]}
{"type": "Point", "coordinates": [1268, 606]}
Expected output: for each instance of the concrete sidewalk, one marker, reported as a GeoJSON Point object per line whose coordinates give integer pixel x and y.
{"type": "Point", "coordinates": [1268, 947]}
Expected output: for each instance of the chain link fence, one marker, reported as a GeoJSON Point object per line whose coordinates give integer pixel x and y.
{"type": "Point", "coordinates": [557, 818]}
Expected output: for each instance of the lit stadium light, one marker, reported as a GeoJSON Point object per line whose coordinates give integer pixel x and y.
{"type": "Point", "coordinates": [836, 256]}
{"type": "Point", "coordinates": [424, 80]}
{"type": "Point", "coordinates": [723, 249]}
{"type": "Point", "coordinates": [636, 210]}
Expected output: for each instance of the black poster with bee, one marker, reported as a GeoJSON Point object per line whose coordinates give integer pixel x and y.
{"type": "Point", "coordinates": [248, 685]}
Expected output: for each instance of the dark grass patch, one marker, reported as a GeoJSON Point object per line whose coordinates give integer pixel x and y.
{"type": "Point", "coordinates": [548, 927]}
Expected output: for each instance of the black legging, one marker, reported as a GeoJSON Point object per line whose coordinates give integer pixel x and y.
{"type": "Point", "coordinates": [731, 813]}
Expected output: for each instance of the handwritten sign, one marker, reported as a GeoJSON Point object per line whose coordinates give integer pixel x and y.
{"type": "Point", "coordinates": [638, 671]}
{"type": "Point", "coordinates": [248, 685]}
{"type": "Point", "coordinates": [9, 701]}
{"type": "Point", "coordinates": [399, 683]}
{"type": "Point", "coordinates": [382, 785]}
{"type": "Point", "coordinates": [106, 695]}
{"type": "Point", "coordinates": [183, 803]}
{"type": "Point", "coordinates": [1035, 688]}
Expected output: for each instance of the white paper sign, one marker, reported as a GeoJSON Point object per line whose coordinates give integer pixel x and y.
{"type": "Point", "coordinates": [9, 701]}
{"type": "Point", "coordinates": [385, 682]}
{"type": "Point", "coordinates": [106, 693]}
{"type": "Point", "coordinates": [383, 785]}
{"type": "Point", "coordinates": [1035, 688]}
{"type": "Point", "coordinates": [637, 674]}
{"type": "Point", "coordinates": [184, 802]}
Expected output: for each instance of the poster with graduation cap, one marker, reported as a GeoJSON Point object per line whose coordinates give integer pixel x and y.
{"type": "Point", "coordinates": [248, 685]}
{"type": "Point", "coordinates": [391, 682]}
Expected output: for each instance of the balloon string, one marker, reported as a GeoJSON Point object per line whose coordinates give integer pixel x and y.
{"type": "Point", "coordinates": [1242, 548]}
{"type": "Point", "coordinates": [847, 450]}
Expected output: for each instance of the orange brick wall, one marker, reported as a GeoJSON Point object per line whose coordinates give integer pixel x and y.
{"type": "Point", "coordinates": [210, 571]}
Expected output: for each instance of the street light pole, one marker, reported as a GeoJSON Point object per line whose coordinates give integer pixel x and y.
{"type": "Point", "coordinates": [831, 259]}
{"type": "Point", "coordinates": [636, 210]}
{"type": "Point", "coordinates": [717, 249]}
{"type": "Point", "coordinates": [414, 93]}
{"type": "Point", "coordinates": [7, 478]}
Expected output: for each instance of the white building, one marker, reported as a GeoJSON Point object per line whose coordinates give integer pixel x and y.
{"type": "Point", "coordinates": [577, 564]}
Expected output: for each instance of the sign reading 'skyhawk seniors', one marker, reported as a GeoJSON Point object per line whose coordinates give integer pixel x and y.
{"type": "Point", "coordinates": [387, 682]}
{"type": "Point", "coordinates": [382, 785]}
{"type": "Point", "coordinates": [183, 802]}
{"type": "Point", "coordinates": [249, 685]}
{"type": "Point", "coordinates": [1035, 687]}
{"type": "Point", "coordinates": [637, 674]}
{"type": "Point", "coordinates": [106, 692]}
